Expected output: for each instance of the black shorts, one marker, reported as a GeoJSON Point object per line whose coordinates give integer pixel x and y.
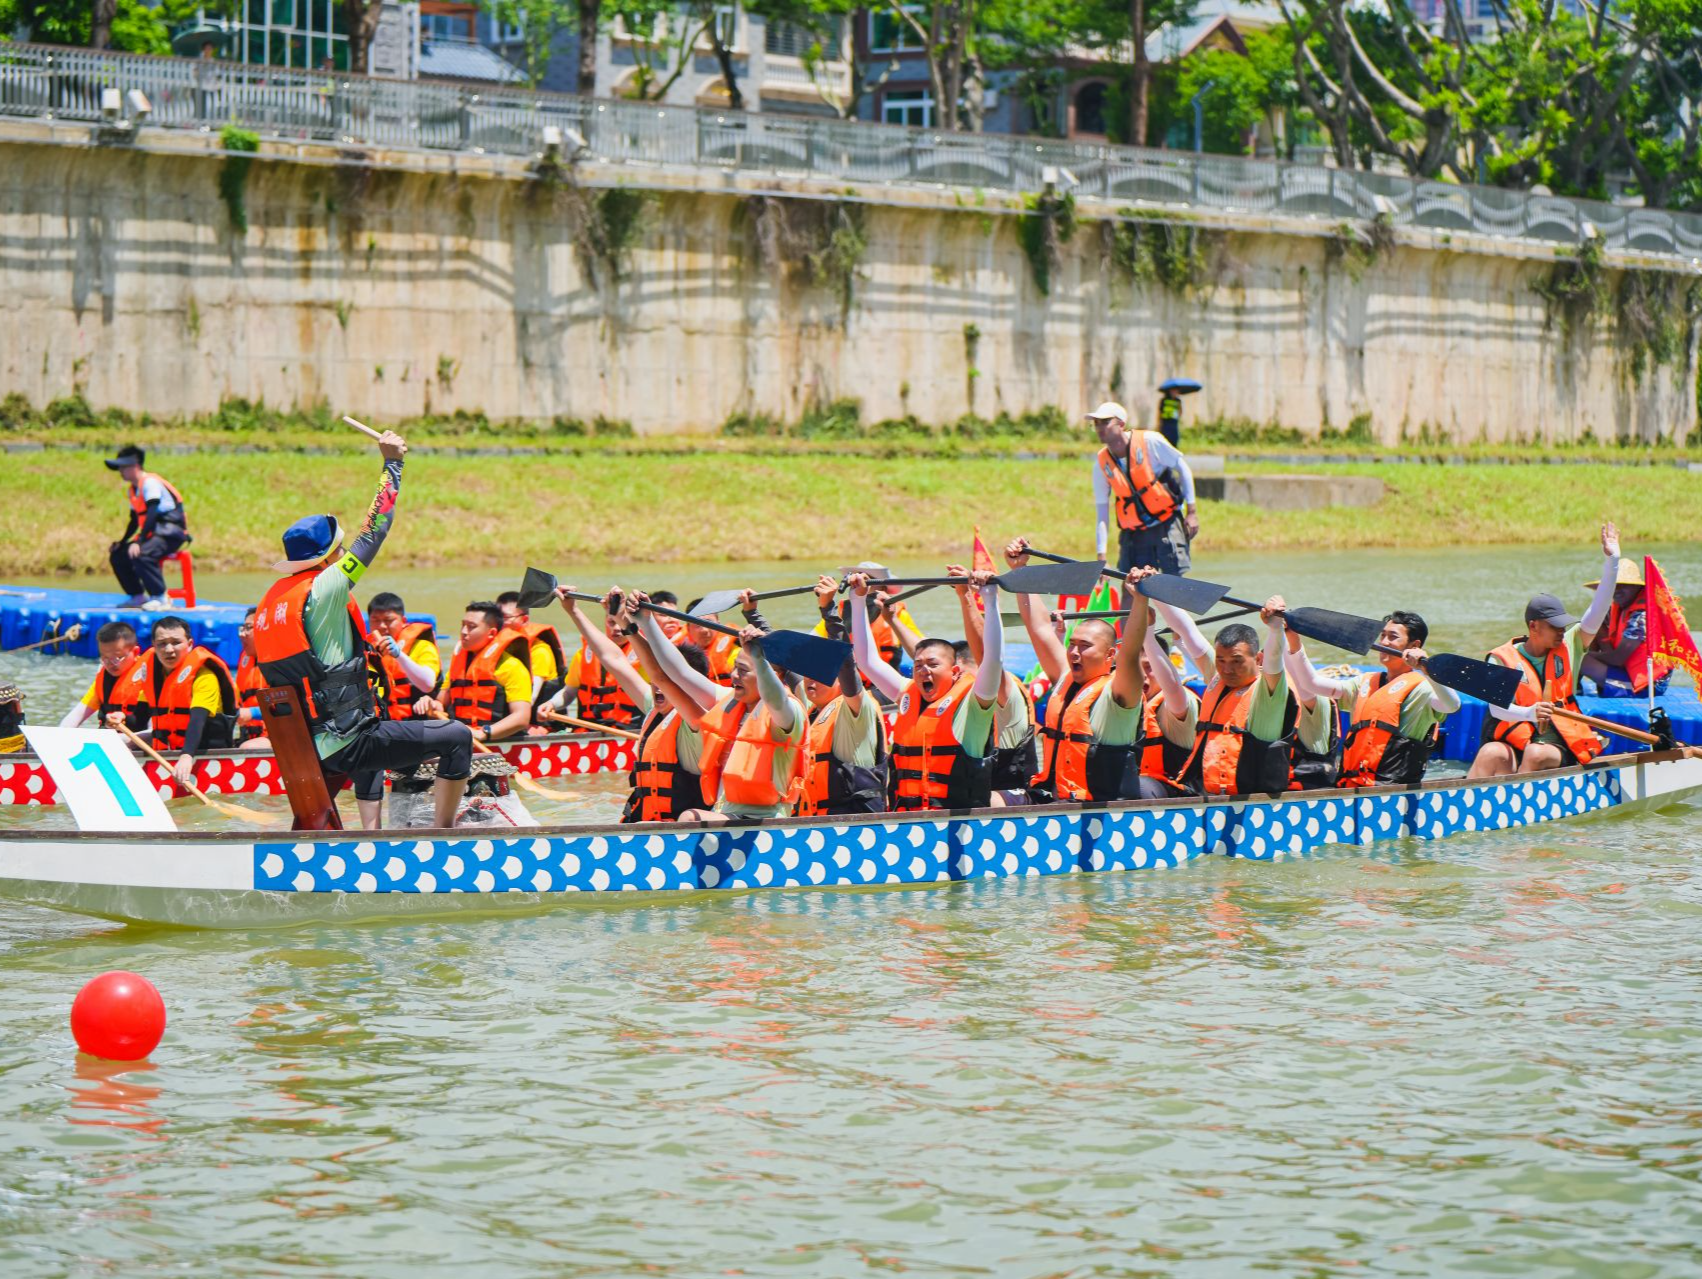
{"type": "Point", "coordinates": [400, 744]}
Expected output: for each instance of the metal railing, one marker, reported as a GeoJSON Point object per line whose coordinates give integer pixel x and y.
{"type": "Point", "coordinates": [60, 83]}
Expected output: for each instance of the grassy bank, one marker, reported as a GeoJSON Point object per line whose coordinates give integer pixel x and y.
{"type": "Point", "coordinates": [659, 506]}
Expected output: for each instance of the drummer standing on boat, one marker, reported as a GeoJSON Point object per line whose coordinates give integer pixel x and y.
{"type": "Point", "coordinates": [1143, 481]}
{"type": "Point", "coordinates": [310, 636]}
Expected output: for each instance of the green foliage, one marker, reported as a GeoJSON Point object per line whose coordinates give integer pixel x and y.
{"type": "Point", "coordinates": [616, 218]}
{"type": "Point", "coordinates": [1655, 314]}
{"type": "Point", "coordinates": [233, 173]}
{"type": "Point", "coordinates": [1175, 255]}
{"type": "Point", "coordinates": [1575, 290]}
{"type": "Point", "coordinates": [823, 242]}
{"type": "Point", "coordinates": [1046, 224]}
{"type": "Point", "coordinates": [1359, 246]}
{"type": "Point", "coordinates": [1243, 90]}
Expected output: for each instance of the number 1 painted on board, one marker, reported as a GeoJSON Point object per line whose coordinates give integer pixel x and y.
{"type": "Point", "coordinates": [92, 756]}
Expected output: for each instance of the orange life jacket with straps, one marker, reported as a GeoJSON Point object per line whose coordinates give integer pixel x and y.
{"type": "Point", "coordinates": [538, 633]}
{"type": "Point", "coordinates": [833, 786]}
{"type": "Point", "coordinates": [475, 696]}
{"type": "Point", "coordinates": [139, 507]}
{"type": "Point", "coordinates": [1375, 753]}
{"type": "Point", "coordinates": [1227, 759]}
{"type": "Point", "coordinates": [398, 692]}
{"type": "Point", "coordinates": [739, 757]}
{"type": "Point", "coordinates": [722, 652]}
{"type": "Point", "coordinates": [249, 682]}
{"type": "Point", "coordinates": [601, 699]}
{"type": "Point", "coordinates": [1066, 737]}
{"type": "Point", "coordinates": [335, 698]}
{"type": "Point", "coordinates": [120, 692]}
{"type": "Point", "coordinates": [1161, 758]}
{"type": "Point", "coordinates": [1636, 665]}
{"type": "Point", "coordinates": [662, 787]}
{"type": "Point", "coordinates": [930, 768]}
{"type": "Point", "coordinates": [1140, 497]}
{"type": "Point", "coordinates": [1553, 684]}
{"type": "Point", "coordinates": [170, 705]}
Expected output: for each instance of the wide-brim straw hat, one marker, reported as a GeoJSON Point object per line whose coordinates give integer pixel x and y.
{"type": "Point", "coordinates": [1630, 574]}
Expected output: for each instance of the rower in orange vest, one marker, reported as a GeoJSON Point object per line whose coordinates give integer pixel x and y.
{"type": "Point", "coordinates": [1619, 659]}
{"type": "Point", "coordinates": [488, 685]}
{"type": "Point", "coordinates": [1526, 737]}
{"type": "Point", "coordinates": [942, 742]}
{"type": "Point", "coordinates": [548, 655]}
{"type": "Point", "coordinates": [116, 644]}
{"type": "Point", "coordinates": [756, 757]}
{"type": "Point", "coordinates": [1395, 714]}
{"type": "Point", "coordinates": [251, 729]}
{"type": "Point", "coordinates": [406, 662]}
{"type": "Point", "coordinates": [848, 742]}
{"type": "Point", "coordinates": [721, 650]}
{"type": "Point", "coordinates": [591, 684]}
{"type": "Point", "coordinates": [1016, 754]}
{"type": "Point", "coordinates": [186, 694]}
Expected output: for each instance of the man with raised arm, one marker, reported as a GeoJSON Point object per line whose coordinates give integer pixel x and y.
{"type": "Point", "coordinates": [1016, 753]}
{"type": "Point", "coordinates": [1528, 737]}
{"type": "Point", "coordinates": [309, 635]}
{"type": "Point", "coordinates": [753, 760]}
{"type": "Point", "coordinates": [1396, 713]}
{"type": "Point", "coordinates": [942, 744]}
{"type": "Point", "coordinates": [848, 746]}
{"type": "Point", "coordinates": [1239, 745]}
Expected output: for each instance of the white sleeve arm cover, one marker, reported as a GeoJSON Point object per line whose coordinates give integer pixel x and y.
{"type": "Point", "coordinates": [868, 660]}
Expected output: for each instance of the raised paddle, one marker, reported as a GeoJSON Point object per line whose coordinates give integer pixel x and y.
{"type": "Point", "coordinates": [75, 631]}
{"type": "Point", "coordinates": [538, 588]}
{"type": "Point", "coordinates": [1483, 680]}
{"type": "Point", "coordinates": [230, 810]}
{"type": "Point", "coordinates": [813, 655]}
{"type": "Point", "coordinates": [575, 722]}
{"type": "Point", "coordinates": [362, 427]}
{"type": "Point", "coordinates": [1071, 577]}
{"type": "Point", "coordinates": [721, 601]}
{"type": "Point", "coordinates": [1110, 573]}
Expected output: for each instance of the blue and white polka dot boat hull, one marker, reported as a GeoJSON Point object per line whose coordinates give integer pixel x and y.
{"type": "Point", "coordinates": [230, 881]}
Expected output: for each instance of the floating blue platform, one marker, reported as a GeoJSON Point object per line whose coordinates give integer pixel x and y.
{"type": "Point", "coordinates": [31, 613]}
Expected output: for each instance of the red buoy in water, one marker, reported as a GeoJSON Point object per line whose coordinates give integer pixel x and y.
{"type": "Point", "coordinates": [118, 1016]}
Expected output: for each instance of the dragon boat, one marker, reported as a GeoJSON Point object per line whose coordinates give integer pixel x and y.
{"type": "Point", "coordinates": [247, 879]}
{"type": "Point", "coordinates": [25, 780]}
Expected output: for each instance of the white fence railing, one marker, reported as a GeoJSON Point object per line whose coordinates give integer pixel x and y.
{"type": "Point", "coordinates": [51, 82]}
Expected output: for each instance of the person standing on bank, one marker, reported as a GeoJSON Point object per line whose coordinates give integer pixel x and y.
{"type": "Point", "coordinates": [310, 636]}
{"type": "Point", "coordinates": [1148, 482]}
{"type": "Point", "coordinates": [157, 528]}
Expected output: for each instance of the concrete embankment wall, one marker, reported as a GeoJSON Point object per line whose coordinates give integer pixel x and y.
{"type": "Point", "coordinates": [393, 293]}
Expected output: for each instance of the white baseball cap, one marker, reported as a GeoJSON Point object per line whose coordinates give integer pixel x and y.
{"type": "Point", "coordinates": [1109, 409]}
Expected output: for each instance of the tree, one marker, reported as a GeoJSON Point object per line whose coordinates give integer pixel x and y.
{"type": "Point", "coordinates": [955, 71]}
{"type": "Point", "coordinates": [360, 20]}
{"type": "Point", "coordinates": [1245, 90]}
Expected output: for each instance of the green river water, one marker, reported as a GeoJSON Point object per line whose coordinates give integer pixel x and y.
{"type": "Point", "coordinates": [1473, 1057]}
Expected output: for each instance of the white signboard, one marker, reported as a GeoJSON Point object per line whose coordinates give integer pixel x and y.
{"type": "Point", "coordinates": [393, 53]}
{"type": "Point", "coordinates": [100, 779]}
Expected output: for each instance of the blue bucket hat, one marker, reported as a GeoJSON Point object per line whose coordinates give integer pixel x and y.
{"type": "Point", "coordinates": [308, 541]}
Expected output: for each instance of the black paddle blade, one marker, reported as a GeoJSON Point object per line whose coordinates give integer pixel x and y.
{"type": "Point", "coordinates": [715, 602]}
{"type": "Point", "coordinates": [812, 655]}
{"type": "Point", "coordinates": [1483, 680]}
{"type": "Point", "coordinates": [1339, 630]}
{"type": "Point", "coordinates": [537, 589]}
{"type": "Point", "coordinates": [1186, 593]}
{"type": "Point", "coordinates": [1078, 577]}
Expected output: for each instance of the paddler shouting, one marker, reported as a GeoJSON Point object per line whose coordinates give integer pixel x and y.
{"type": "Point", "coordinates": [310, 636]}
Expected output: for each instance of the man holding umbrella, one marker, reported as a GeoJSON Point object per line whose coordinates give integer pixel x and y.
{"type": "Point", "coordinates": [1170, 393]}
{"type": "Point", "coordinates": [1148, 481]}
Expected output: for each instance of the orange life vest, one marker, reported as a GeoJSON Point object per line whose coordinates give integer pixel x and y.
{"type": "Point", "coordinates": [722, 653]}
{"type": "Point", "coordinates": [476, 697]}
{"type": "Point", "coordinates": [601, 699]}
{"type": "Point", "coordinates": [1142, 501]}
{"type": "Point", "coordinates": [139, 508]}
{"type": "Point", "coordinates": [930, 768]}
{"type": "Point", "coordinates": [1554, 684]}
{"type": "Point", "coordinates": [1636, 665]}
{"type": "Point", "coordinates": [536, 633]}
{"type": "Point", "coordinates": [170, 706]}
{"type": "Point", "coordinates": [337, 698]}
{"type": "Point", "coordinates": [249, 682]}
{"type": "Point", "coordinates": [1227, 759]}
{"type": "Point", "coordinates": [399, 693]}
{"type": "Point", "coordinates": [120, 692]}
{"type": "Point", "coordinates": [1067, 736]}
{"type": "Point", "coordinates": [1375, 753]}
{"type": "Point", "coordinates": [835, 787]}
{"type": "Point", "coordinates": [1161, 758]}
{"type": "Point", "coordinates": [739, 757]}
{"type": "Point", "coordinates": [662, 787]}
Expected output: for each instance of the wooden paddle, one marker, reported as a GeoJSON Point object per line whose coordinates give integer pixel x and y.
{"type": "Point", "coordinates": [575, 722]}
{"type": "Point", "coordinates": [230, 810]}
{"type": "Point", "coordinates": [1630, 734]}
{"type": "Point", "coordinates": [362, 426]}
{"type": "Point", "coordinates": [75, 631]}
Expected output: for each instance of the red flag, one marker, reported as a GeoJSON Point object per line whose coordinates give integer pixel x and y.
{"type": "Point", "coordinates": [1669, 633]}
{"type": "Point", "coordinates": [980, 560]}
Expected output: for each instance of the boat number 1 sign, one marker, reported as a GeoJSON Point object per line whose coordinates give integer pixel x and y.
{"type": "Point", "coordinates": [100, 779]}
